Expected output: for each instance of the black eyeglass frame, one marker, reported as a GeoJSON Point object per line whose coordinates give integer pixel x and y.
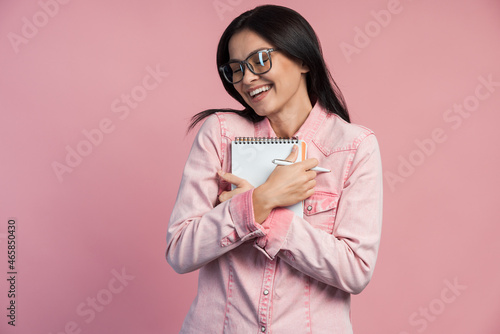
{"type": "Point", "coordinates": [245, 62]}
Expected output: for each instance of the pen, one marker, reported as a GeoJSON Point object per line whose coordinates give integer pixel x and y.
{"type": "Point", "coordinates": [287, 163]}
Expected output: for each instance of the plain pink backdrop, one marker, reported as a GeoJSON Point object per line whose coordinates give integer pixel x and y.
{"type": "Point", "coordinates": [66, 68]}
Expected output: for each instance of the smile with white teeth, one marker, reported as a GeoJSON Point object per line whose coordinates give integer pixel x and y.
{"type": "Point", "coordinates": [259, 90]}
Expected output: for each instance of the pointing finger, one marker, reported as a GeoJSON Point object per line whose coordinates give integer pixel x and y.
{"type": "Point", "coordinates": [309, 163]}
{"type": "Point", "coordinates": [233, 179]}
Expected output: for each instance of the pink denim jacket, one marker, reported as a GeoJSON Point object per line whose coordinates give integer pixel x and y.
{"type": "Point", "coordinates": [290, 274]}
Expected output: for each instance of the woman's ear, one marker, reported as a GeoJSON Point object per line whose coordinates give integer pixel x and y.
{"type": "Point", "coordinates": [304, 67]}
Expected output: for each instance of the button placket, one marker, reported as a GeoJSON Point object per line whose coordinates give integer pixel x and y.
{"type": "Point", "coordinates": [265, 300]}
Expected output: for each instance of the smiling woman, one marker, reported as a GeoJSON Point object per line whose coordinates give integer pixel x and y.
{"type": "Point", "coordinates": [280, 94]}
{"type": "Point", "coordinates": [262, 268]}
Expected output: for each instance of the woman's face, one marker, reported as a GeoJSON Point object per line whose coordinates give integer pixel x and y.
{"type": "Point", "coordinates": [284, 86]}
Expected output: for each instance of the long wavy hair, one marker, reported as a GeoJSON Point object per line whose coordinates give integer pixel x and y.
{"type": "Point", "coordinates": [288, 31]}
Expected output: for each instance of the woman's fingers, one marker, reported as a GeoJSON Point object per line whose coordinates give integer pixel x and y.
{"type": "Point", "coordinates": [308, 163]}
{"type": "Point", "coordinates": [231, 178]}
{"type": "Point", "coordinates": [242, 185]}
{"type": "Point", "coordinates": [311, 175]}
{"type": "Point", "coordinates": [293, 155]}
{"type": "Point", "coordinates": [226, 195]}
{"type": "Point", "coordinates": [311, 184]}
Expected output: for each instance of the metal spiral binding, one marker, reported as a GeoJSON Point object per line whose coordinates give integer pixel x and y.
{"type": "Point", "coordinates": [265, 140]}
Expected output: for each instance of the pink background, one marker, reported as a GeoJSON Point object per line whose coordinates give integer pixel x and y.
{"type": "Point", "coordinates": [110, 213]}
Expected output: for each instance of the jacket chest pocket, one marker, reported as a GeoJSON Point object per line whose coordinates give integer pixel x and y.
{"type": "Point", "coordinates": [320, 210]}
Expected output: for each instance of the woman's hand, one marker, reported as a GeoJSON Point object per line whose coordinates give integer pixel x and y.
{"type": "Point", "coordinates": [285, 186]}
{"type": "Point", "coordinates": [242, 185]}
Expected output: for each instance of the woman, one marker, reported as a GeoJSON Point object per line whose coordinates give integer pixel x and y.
{"type": "Point", "coordinates": [262, 268]}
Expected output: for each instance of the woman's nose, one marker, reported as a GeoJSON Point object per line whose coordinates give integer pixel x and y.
{"type": "Point", "coordinates": [249, 76]}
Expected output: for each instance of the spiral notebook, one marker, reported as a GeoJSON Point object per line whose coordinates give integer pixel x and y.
{"type": "Point", "coordinates": [252, 157]}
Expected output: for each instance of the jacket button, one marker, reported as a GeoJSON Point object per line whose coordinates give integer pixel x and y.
{"type": "Point", "coordinates": [309, 208]}
{"type": "Point", "coordinates": [263, 329]}
{"type": "Point", "coordinates": [266, 292]}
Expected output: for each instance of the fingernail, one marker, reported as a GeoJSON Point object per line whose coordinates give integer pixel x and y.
{"type": "Point", "coordinates": [220, 172]}
{"type": "Point", "coordinates": [294, 148]}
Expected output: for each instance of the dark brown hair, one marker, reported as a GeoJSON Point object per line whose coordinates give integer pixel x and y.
{"type": "Point", "coordinates": [288, 31]}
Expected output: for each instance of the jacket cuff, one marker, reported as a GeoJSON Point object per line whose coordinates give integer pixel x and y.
{"type": "Point", "coordinates": [276, 225]}
{"type": "Point", "coordinates": [241, 209]}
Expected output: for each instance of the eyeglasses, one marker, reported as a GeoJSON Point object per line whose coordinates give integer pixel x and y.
{"type": "Point", "coordinates": [258, 62]}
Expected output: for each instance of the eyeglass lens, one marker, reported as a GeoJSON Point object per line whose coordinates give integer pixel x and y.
{"type": "Point", "coordinates": [258, 63]}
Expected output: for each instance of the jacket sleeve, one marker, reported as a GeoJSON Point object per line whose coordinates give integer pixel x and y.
{"type": "Point", "coordinates": [346, 258]}
{"type": "Point", "coordinates": [200, 231]}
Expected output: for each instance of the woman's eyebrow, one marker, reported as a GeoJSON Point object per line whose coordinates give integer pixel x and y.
{"type": "Point", "coordinates": [258, 49]}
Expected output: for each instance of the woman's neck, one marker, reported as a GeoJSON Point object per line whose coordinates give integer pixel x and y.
{"type": "Point", "coordinates": [287, 122]}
